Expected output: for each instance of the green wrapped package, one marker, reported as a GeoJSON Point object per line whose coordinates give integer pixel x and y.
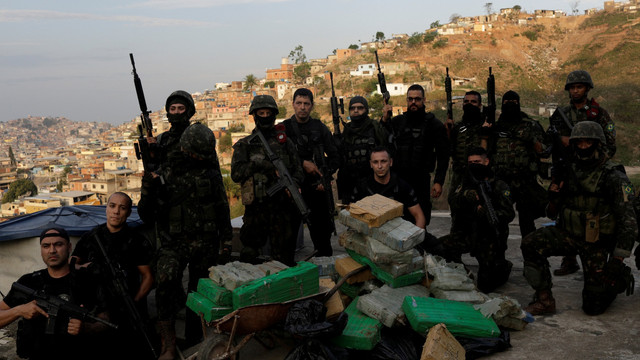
{"type": "Point", "coordinates": [361, 332]}
{"type": "Point", "coordinates": [214, 292]}
{"type": "Point", "coordinates": [461, 319]}
{"type": "Point", "coordinates": [400, 281]}
{"type": "Point", "coordinates": [292, 283]}
{"type": "Point", "coordinates": [201, 305]}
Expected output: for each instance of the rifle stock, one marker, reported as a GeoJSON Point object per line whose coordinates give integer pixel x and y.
{"type": "Point", "coordinates": [53, 305]}
{"type": "Point", "coordinates": [490, 110]}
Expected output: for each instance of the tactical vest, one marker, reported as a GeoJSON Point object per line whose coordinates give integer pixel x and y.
{"type": "Point", "coordinates": [192, 206]}
{"type": "Point", "coordinates": [411, 152]}
{"type": "Point", "coordinates": [466, 136]}
{"type": "Point", "coordinates": [512, 154]}
{"type": "Point", "coordinates": [587, 209]}
{"type": "Point", "coordinates": [357, 148]}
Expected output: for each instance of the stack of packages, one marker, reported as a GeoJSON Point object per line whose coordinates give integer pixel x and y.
{"type": "Point", "coordinates": [380, 238]}
{"type": "Point", "coordinates": [235, 285]}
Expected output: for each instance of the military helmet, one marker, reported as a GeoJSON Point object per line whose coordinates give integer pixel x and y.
{"type": "Point", "coordinates": [588, 130]}
{"type": "Point", "coordinates": [578, 77]}
{"type": "Point", "coordinates": [263, 102]}
{"type": "Point", "coordinates": [198, 139]}
{"type": "Point", "coordinates": [182, 97]}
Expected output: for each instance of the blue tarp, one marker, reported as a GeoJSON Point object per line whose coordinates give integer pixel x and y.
{"type": "Point", "coordinates": [77, 220]}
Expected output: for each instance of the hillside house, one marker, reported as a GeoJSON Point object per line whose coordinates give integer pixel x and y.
{"type": "Point", "coordinates": [364, 70]}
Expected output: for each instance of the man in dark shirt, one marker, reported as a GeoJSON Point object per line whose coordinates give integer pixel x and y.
{"type": "Point", "coordinates": [388, 184]}
{"type": "Point", "coordinates": [127, 250]}
{"type": "Point", "coordinates": [72, 337]}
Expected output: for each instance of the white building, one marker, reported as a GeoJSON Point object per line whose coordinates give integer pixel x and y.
{"type": "Point", "coordinates": [364, 70]}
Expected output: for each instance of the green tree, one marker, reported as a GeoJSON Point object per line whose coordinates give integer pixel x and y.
{"type": "Point", "coordinates": [19, 188]}
{"type": "Point", "coordinates": [270, 84]}
{"type": "Point", "coordinates": [12, 157]}
{"type": "Point", "coordinates": [434, 24]}
{"type": "Point", "coordinates": [375, 106]}
{"type": "Point", "coordinates": [379, 36]}
{"type": "Point", "coordinates": [353, 47]}
{"type": "Point", "coordinates": [249, 82]}
{"type": "Point", "coordinates": [225, 142]}
{"type": "Point", "coordinates": [517, 8]}
{"type": "Point", "coordinates": [430, 36]}
{"type": "Point", "coordinates": [282, 112]}
{"type": "Point", "coordinates": [454, 17]}
{"type": "Point", "coordinates": [297, 55]}
{"type": "Point", "coordinates": [301, 72]}
{"type": "Point", "coordinates": [415, 39]}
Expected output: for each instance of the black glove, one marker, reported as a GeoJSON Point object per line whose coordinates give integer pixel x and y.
{"type": "Point", "coordinates": [225, 254]}
{"type": "Point", "coordinates": [617, 277]}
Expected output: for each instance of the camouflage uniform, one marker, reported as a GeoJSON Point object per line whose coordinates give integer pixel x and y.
{"type": "Point", "coordinates": [355, 145]}
{"type": "Point", "coordinates": [273, 218]}
{"type": "Point", "coordinates": [595, 219]}
{"type": "Point", "coordinates": [420, 147]}
{"type": "Point", "coordinates": [472, 232]}
{"type": "Point", "coordinates": [590, 112]}
{"type": "Point", "coordinates": [464, 135]}
{"type": "Point", "coordinates": [517, 141]}
{"type": "Point", "coordinates": [191, 212]}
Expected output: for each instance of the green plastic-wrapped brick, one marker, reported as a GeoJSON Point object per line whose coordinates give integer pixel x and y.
{"type": "Point", "coordinates": [288, 284]}
{"type": "Point", "coordinates": [199, 304]}
{"type": "Point", "coordinates": [361, 332]}
{"type": "Point", "coordinates": [461, 319]}
{"type": "Point", "coordinates": [214, 292]}
{"type": "Point", "coordinates": [400, 281]}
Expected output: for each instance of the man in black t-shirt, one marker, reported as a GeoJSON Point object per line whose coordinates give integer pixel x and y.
{"type": "Point", "coordinates": [388, 184]}
{"type": "Point", "coordinates": [71, 338]}
{"type": "Point", "coordinates": [127, 250]}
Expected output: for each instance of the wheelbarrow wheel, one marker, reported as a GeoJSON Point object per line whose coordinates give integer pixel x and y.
{"type": "Point", "coordinates": [214, 346]}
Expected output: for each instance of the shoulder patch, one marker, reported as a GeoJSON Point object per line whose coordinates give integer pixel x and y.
{"type": "Point", "coordinates": [507, 193]}
{"type": "Point", "coordinates": [610, 127]}
{"type": "Point", "coordinates": [627, 190]}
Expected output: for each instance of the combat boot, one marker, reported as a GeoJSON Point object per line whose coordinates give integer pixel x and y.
{"type": "Point", "coordinates": [543, 303]}
{"type": "Point", "coordinates": [568, 266]}
{"type": "Point", "coordinates": [167, 332]}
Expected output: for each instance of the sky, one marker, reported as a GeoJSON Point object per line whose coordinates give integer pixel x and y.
{"type": "Point", "coordinates": [71, 58]}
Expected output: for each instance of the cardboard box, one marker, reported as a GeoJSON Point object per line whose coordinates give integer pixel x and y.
{"type": "Point", "coordinates": [334, 304]}
{"type": "Point", "coordinates": [346, 265]}
{"type": "Point", "coordinates": [376, 210]}
{"type": "Point", "coordinates": [441, 345]}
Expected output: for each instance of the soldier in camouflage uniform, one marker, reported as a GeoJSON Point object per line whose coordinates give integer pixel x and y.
{"type": "Point", "coordinates": [266, 218]}
{"type": "Point", "coordinates": [517, 144]}
{"type": "Point", "coordinates": [595, 219]}
{"type": "Point", "coordinates": [581, 108]}
{"type": "Point", "coordinates": [473, 231]}
{"type": "Point", "coordinates": [191, 212]}
{"type": "Point", "coordinates": [180, 108]}
{"type": "Point", "coordinates": [359, 137]}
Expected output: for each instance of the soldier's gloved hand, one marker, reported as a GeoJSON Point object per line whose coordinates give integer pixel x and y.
{"type": "Point", "coordinates": [471, 195]}
{"type": "Point", "coordinates": [225, 254]}
{"type": "Point", "coordinates": [617, 276]}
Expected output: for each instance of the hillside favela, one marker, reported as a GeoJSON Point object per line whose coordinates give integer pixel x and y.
{"type": "Point", "coordinates": [509, 55]}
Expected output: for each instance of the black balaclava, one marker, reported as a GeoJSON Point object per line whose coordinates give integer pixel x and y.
{"type": "Point", "coordinates": [510, 110]}
{"type": "Point", "coordinates": [357, 120]}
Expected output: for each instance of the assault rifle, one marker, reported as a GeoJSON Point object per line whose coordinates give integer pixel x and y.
{"type": "Point", "coordinates": [490, 110]}
{"type": "Point", "coordinates": [145, 128]}
{"type": "Point", "coordinates": [53, 305]}
{"type": "Point", "coordinates": [285, 181]}
{"type": "Point", "coordinates": [120, 289]}
{"type": "Point", "coordinates": [383, 83]}
{"type": "Point", "coordinates": [335, 107]}
{"type": "Point", "coordinates": [320, 161]}
{"type": "Point", "coordinates": [447, 89]}
{"type": "Point", "coordinates": [484, 190]}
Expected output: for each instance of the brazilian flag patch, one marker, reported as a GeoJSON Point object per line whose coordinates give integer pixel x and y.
{"type": "Point", "coordinates": [610, 127]}
{"type": "Point", "coordinates": [627, 190]}
{"type": "Point", "coordinates": [507, 194]}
